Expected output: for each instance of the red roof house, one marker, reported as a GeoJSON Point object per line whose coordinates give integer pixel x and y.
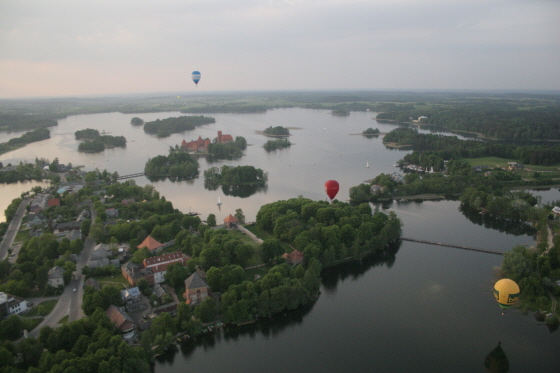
{"type": "Point", "coordinates": [151, 243]}
{"type": "Point", "coordinates": [230, 222]}
{"type": "Point", "coordinates": [53, 202]}
{"type": "Point", "coordinates": [295, 257]}
{"type": "Point", "coordinates": [198, 145]}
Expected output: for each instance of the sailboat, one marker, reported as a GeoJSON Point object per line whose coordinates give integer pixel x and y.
{"type": "Point", "coordinates": [367, 164]}
{"type": "Point", "coordinates": [219, 202]}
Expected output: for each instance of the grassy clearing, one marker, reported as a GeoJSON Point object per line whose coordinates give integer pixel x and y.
{"type": "Point", "coordinates": [253, 228]}
{"type": "Point", "coordinates": [491, 162]}
{"type": "Point", "coordinates": [46, 306]}
{"type": "Point", "coordinates": [244, 238]}
{"type": "Point", "coordinates": [64, 320]}
{"type": "Point", "coordinates": [117, 281]}
{"type": "Point", "coordinates": [250, 273]}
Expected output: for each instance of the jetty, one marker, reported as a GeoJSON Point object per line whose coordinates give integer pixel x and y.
{"type": "Point", "coordinates": [452, 246]}
{"type": "Point", "coordinates": [130, 176]}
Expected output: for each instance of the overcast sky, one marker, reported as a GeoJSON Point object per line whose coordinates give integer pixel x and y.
{"type": "Point", "coordinates": [82, 47]}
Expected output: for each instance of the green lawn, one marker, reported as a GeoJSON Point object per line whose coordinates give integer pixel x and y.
{"type": "Point", "coordinates": [48, 306]}
{"type": "Point", "coordinates": [253, 228]}
{"type": "Point", "coordinates": [250, 273]}
{"type": "Point", "coordinates": [64, 320]}
{"type": "Point", "coordinates": [117, 281]}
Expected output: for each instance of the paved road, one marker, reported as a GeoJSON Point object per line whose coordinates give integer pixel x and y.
{"type": "Point", "coordinates": [70, 302]}
{"type": "Point", "coordinates": [8, 239]}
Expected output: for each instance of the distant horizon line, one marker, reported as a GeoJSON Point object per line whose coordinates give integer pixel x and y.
{"type": "Point", "coordinates": [191, 93]}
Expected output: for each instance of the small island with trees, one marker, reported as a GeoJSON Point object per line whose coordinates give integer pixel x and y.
{"type": "Point", "coordinates": [277, 131]}
{"type": "Point", "coordinates": [178, 165]}
{"type": "Point", "coordinates": [137, 121]}
{"type": "Point", "coordinates": [95, 142]}
{"type": "Point", "coordinates": [232, 177]}
{"type": "Point", "coordinates": [271, 145]}
{"type": "Point", "coordinates": [27, 138]}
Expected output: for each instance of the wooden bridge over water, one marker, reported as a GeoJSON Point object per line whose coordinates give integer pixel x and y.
{"type": "Point", "coordinates": [453, 246]}
{"type": "Point", "coordinates": [130, 176]}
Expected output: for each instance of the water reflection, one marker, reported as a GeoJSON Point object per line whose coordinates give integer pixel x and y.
{"type": "Point", "coordinates": [243, 191]}
{"type": "Point", "coordinates": [509, 226]}
{"type": "Point", "coordinates": [330, 277]}
{"type": "Point", "coordinates": [496, 361]}
{"type": "Point", "coordinates": [269, 327]}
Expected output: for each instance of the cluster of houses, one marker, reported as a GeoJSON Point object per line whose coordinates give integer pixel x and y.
{"type": "Point", "coordinates": [201, 145]}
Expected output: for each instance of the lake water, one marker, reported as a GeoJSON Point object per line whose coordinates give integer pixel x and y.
{"type": "Point", "coordinates": [423, 309]}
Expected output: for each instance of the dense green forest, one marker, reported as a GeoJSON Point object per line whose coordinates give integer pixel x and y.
{"type": "Point", "coordinates": [228, 108]}
{"type": "Point", "coordinates": [165, 127]}
{"type": "Point", "coordinates": [11, 122]}
{"type": "Point", "coordinates": [178, 165]}
{"type": "Point", "coordinates": [232, 149]}
{"type": "Point", "coordinates": [271, 145]}
{"type": "Point", "coordinates": [492, 119]}
{"type": "Point", "coordinates": [277, 131]}
{"type": "Point", "coordinates": [451, 147]}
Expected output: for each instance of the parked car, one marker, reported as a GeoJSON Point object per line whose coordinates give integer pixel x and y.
{"type": "Point", "coordinates": [29, 304]}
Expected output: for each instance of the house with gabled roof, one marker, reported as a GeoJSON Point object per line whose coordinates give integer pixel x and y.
{"type": "Point", "coordinates": [151, 243]}
{"type": "Point", "coordinates": [56, 276]}
{"type": "Point", "coordinates": [53, 202]}
{"type": "Point", "coordinates": [36, 219]}
{"type": "Point", "coordinates": [159, 264]}
{"type": "Point", "coordinates": [295, 257]}
{"type": "Point", "coordinates": [122, 321]}
{"type": "Point", "coordinates": [230, 222]}
{"type": "Point", "coordinates": [11, 304]}
{"type": "Point", "coordinates": [196, 289]}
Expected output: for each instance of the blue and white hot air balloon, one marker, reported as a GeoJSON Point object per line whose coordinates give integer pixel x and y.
{"type": "Point", "coordinates": [195, 77]}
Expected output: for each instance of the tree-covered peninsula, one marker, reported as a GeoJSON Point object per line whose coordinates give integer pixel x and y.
{"type": "Point", "coordinates": [26, 138]}
{"type": "Point", "coordinates": [515, 120]}
{"type": "Point", "coordinates": [178, 165]}
{"type": "Point", "coordinates": [327, 232]}
{"type": "Point", "coordinates": [165, 127]}
{"type": "Point", "coordinates": [234, 176]}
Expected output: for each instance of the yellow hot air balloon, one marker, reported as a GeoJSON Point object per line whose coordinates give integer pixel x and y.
{"type": "Point", "coordinates": [506, 292]}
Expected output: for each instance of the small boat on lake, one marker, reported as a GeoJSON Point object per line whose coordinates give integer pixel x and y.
{"type": "Point", "coordinates": [219, 202]}
{"type": "Point", "coordinates": [367, 164]}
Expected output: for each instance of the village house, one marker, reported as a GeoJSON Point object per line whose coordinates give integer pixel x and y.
{"type": "Point", "coordinates": [36, 219]}
{"type": "Point", "coordinates": [151, 243]}
{"type": "Point", "coordinates": [53, 202]}
{"type": "Point", "coordinates": [91, 282]}
{"type": "Point", "coordinates": [376, 189]}
{"type": "Point", "coordinates": [152, 269]}
{"type": "Point", "coordinates": [11, 305]}
{"type": "Point", "coordinates": [56, 276]}
{"type": "Point", "coordinates": [196, 289]}
{"type": "Point", "coordinates": [295, 257]}
{"type": "Point", "coordinates": [112, 213]}
{"type": "Point", "coordinates": [159, 264]}
{"type": "Point", "coordinates": [230, 222]}
{"type": "Point", "coordinates": [131, 295]}
{"type": "Point", "coordinates": [122, 321]}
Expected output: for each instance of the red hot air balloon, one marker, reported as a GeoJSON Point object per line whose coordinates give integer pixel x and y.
{"type": "Point", "coordinates": [331, 188]}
